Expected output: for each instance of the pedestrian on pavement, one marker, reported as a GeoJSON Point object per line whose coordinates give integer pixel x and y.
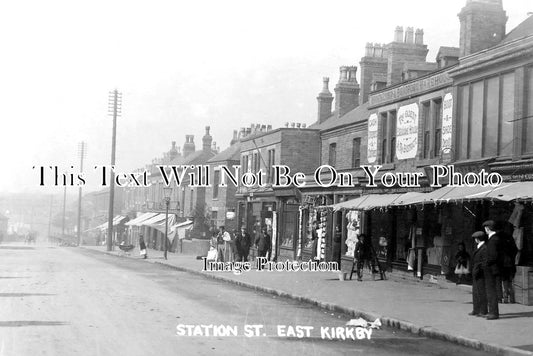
{"type": "Point", "coordinates": [142, 247]}
{"type": "Point", "coordinates": [242, 244]}
{"type": "Point", "coordinates": [337, 241]}
{"type": "Point", "coordinates": [509, 268]}
{"type": "Point", "coordinates": [363, 255]}
{"type": "Point", "coordinates": [462, 263]}
{"type": "Point", "coordinates": [314, 238]}
{"type": "Point", "coordinates": [493, 267]}
{"type": "Point", "coordinates": [263, 243]}
{"type": "Point", "coordinates": [222, 238]}
{"type": "Point", "coordinates": [479, 293]}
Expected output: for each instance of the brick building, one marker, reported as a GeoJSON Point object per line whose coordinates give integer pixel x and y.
{"type": "Point", "coordinates": [277, 209]}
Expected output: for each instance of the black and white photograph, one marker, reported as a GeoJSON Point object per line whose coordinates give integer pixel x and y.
{"type": "Point", "coordinates": [232, 177]}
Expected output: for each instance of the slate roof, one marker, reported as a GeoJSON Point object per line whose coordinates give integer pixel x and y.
{"type": "Point", "coordinates": [525, 28]}
{"type": "Point", "coordinates": [360, 113]}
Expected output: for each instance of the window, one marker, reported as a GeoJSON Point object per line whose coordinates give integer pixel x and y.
{"type": "Point", "coordinates": [256, 163]}
{"type": "Point", "coordinates": [214, 218]}
{"type": "Point", "coordinates": [245, 164]}
{"type": "Point", "coordinates": [384, 129]}
{"type": "Point", "coordinates": [437, 113]}
{"type": "Point", "coordinates": [191, 205]}
{"type": "Point", "coordinates": [427, 129]}
{"type": "Point", "coordinates": [332, 154]}
{"type": "Point", "coordinates": [528, 123]}
{"type": "Point", "coordinates": [216, 182]}
{"type": "Point", "coordinates": [392, 134]}
{"type": "Point", "coordinates": [356, 152]}
{"type": "Point", "coordinates": [486, 117]}
{"type": "Point", "coordinates": [271, 162]}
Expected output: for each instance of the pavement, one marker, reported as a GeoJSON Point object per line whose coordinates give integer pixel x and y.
{"type": "Point", "coordinates": [425, 309]}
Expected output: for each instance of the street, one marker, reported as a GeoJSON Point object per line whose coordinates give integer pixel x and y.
{"type": "Point", "coordinates": [70, 301]}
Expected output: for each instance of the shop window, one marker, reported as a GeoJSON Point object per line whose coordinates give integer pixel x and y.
{"type": "Point", "coordinates": [437, 110]}
{"type": "Point", "coordinates": [332, 154]}
{"type": "Point", "coordinates": [356, 152]}
{"type": "Point", "coordinates": [216, 182]}
{"type": "Point", "coordinates": [191, 203]}
{"type": "Point", "coordinates": [257, 163]}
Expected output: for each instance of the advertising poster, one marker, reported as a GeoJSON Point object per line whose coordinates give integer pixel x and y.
{"type": "Point", "coordinates": [407, 131]}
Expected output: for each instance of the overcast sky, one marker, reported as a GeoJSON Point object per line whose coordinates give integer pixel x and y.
{"type": "Point", "coordinates": [181, 65]}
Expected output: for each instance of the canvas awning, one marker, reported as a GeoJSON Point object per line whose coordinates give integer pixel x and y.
{"type": "Point", "coordinates": [116, 221]}
{"type": "Point", "coordinates": [178, 230]}
{"type": "Point", "coordinates": [160, 225]}
{"type": "Point", "coordinates": [367, 202]}
{"type": "Point", "coordinates": [139, 219]}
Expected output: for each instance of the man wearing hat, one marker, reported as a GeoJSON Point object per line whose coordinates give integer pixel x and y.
{"type": "Point", "coordinates": [479, 259]}
{"type": "Point", "coordinates": [493, 268]}
{"type": "Point", "coordinates": [242, 243]}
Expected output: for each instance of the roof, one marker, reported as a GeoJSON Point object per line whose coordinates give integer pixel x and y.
{"type": "Point", "coordinates": [424, 66]}
{"type": "Point", "coordinates": [360, 113]}
{"type": "Point", "coordinates": [232, 153]}
{"type": "Point", "coordinates": [525, 28]}
{"type": "Point", "coordinates": [445, 51]}
{"type": "Point", "coordinates": [195, 157]}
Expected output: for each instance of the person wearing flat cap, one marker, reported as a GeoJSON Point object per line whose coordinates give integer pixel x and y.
{"type": "Point", "coordinates": [479, 259]}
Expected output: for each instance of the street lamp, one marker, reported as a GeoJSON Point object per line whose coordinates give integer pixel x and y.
{"type": "Point", "coordinates": [167, 192]}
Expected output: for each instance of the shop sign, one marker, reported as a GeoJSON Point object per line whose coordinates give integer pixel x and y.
{"type": "Point", "coordinates": [447, 112]}
{"type": "Point", "coordinates": [407, 131]}
{"type": "Point", "coordinates": [410, 89]}
{"type": "Point", "coordinates": [372, 144]}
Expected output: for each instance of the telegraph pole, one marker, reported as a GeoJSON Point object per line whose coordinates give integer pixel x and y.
{"type": "Point", "coordinates": [114, 109]}
{"type": "Point", "coordinates": [64, 211]}
{"type": "Point", "coordinates": [82, 152]}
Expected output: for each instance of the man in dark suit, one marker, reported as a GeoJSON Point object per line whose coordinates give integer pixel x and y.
{"type": "Point", "coordinates": [492, 270]}
{"type": "Point", "coordinates": [263, 243]}
{"type": "Point", "coordinates": [479, 259]}
{"type": "Point", "coordinates": [242, 243]}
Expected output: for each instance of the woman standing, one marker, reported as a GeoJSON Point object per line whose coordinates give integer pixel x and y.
{"type": "Point", "coordinates": [142, 247]}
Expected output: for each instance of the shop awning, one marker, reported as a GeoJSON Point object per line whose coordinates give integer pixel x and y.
{"type": "Point", "coordinates": [178, 230]}
{"type": "Point", "coordinates": [161, 224]}
{"type": "Point", "coordinates": [153, 220]}
{"type": "Point", "coordinates": [116, 221]}
{"type": "Point", "coordinates": [367, 202]}
{"type": "Point", "coordinates": [139, 219]}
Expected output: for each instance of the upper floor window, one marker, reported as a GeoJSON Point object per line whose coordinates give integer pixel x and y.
{"type": "Point", "coordinates": [216, 182]}
{"type": "Point", "coordinates": [356, 152]}
{"type": "Point", "coordinates": [486, 117]}
{"type": "Point", "coordinates": [271, 162]}
{"type": "Point", "coordinates": [332, 160]}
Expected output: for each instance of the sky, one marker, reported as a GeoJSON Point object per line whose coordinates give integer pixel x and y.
{"type": "Point", "coordinates": [181, 66]}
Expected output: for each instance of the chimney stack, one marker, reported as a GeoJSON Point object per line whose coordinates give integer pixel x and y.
{"type": "Point", "coordinates": [346, 91]}
{"type": "Point", "coordinates": [207, 140]}
{"type": "Point", "coordinates": [235, 138]}
{"type": "Point", "coordinates": [173, 153]}
{"type": "Point", "coordinates": [419, 36]}
{"type": "Point", "coordinates": [398, 34]}
{"type": "Point", "coordinates": [324, 99]}
{"type": "Point", "coordinates": [188, 146]}
{"type": "Point", "coordinates": [409, 35]}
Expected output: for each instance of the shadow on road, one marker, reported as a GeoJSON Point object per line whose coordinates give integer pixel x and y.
{"type": "Point", "coordinates": [19, 323]}
{"type": "Point", "coordinates": [12, 295]}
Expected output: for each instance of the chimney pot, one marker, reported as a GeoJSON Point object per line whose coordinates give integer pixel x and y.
{"type": "Point", "coordinates": [409, 35]}
{"type": "Point", "coordinates": [419, 36]}
{"type": "Point", "coordinates": [398, 34]}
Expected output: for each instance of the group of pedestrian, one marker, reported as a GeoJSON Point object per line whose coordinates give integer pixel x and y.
{"type": "Point", "coordinates": [492, 266]}
{"type": "Point", "coordinates": [236, 246]}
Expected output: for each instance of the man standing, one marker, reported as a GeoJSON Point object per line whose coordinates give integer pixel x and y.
{"type": "Point", "coordinates": [263, 243]}
{"type": "Point", "coordinates": [479, 293]}
{"type": "Point", "coordinates": [492, 270]}
{"type": "Point", "coordinates": [242, 243]}
{"type": "Point", "coordinates": [314, 238]}
{"type": "Point", "coordinates": [224, 245]}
